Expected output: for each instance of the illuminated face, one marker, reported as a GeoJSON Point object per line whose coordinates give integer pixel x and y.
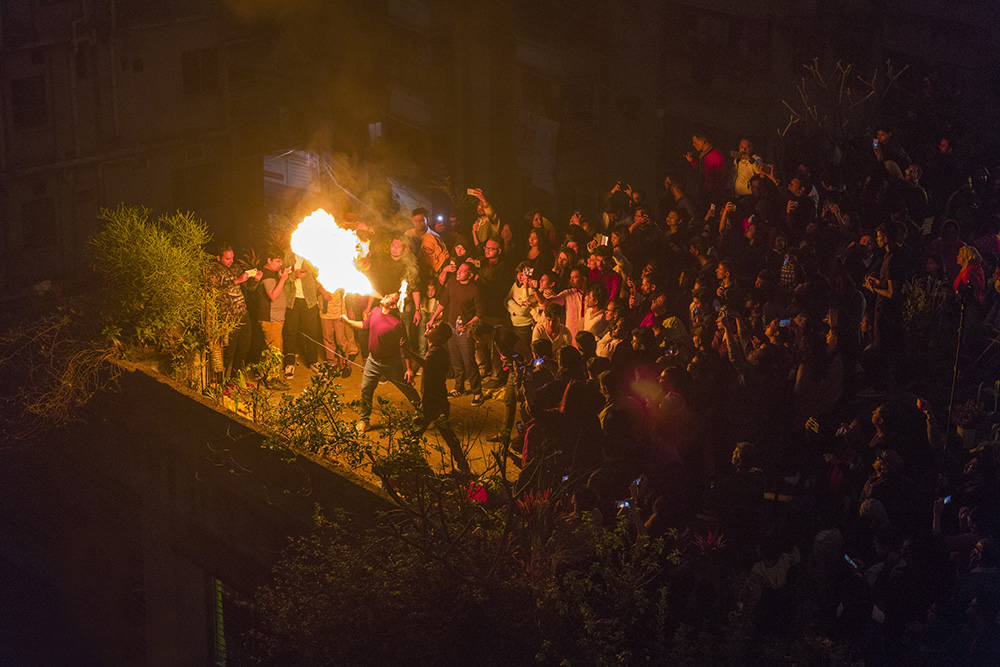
{"type": "Point", "coordinates": [645, 286]}
{"type": "Point", "coordinates": [880, 239]}
{"type": "Point", "coordinates": [611, 312]}
{"type": "Point", "coordinates": [274, 263]}
{"type": "Point", "coordinates": [545, 283]}
{"type": "Point", "coordinates": [463, 274]}
{"type": "Point", "coordinates": [533, 240]}
{"type": "Point", "coordinates": [562, 261]}
{"type": "Point", "coordinates": [491, 249]}
{"type": "Point", "coordinates": [552, 325]}
{"type": "Point", "coordinates": [772, 330]}
{"type": "Point", "coordinates": [389, 300]}
{"type": "Point", "coordinates": [673, 219]}
{"type": "Point", "coordinates": [603, 264]}
{"type": "Point", "coordinates": [396, 248]}
{"type": "Point", "coordinates": [226, 258]}
{"type": "Point", "coordinates": [577, 279]}
{"type": "Point", "coordinates": [592, 262]}
{"type": "Point", "coordinates": [796, 187]}
{"type": "Point", "coordinates": [419, 222]}
{"type": "Point", "coordinates": [459, 250]}
{"type": "Point", "coordinates": [698, 144]}
{"type": "Point", "coordinates": [745, 147]}
{"type": "Point", "coordinates": [536, 221]}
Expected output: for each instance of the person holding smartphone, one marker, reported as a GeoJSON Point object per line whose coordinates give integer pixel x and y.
{"type": "Point", "coordinates": [747, 166]}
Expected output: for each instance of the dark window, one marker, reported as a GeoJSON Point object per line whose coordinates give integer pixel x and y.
{"type": "Point", "coordinates": [29, 103]}
{"type": "Point", "coordinates": [38, 223]}
{"type": "Point", "coordinates": [201, 71]}
{"type": "Point", "coordinates": [200, 187]}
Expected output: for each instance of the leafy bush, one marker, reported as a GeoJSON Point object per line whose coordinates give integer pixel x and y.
{"type": "Point", "coordinates": [154, 275]}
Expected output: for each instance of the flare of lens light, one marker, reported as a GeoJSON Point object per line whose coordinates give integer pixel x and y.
{"type": "Point", "coordinates": [334, 251]}
{"type": "Point", "coordinates": [402, 295]}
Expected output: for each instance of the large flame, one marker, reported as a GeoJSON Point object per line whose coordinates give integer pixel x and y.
{"type": "Point", "coordinates": [334, 251]}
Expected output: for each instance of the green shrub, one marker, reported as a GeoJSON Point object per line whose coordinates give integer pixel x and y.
{"type": "Point", "coordinates": [154, 277]}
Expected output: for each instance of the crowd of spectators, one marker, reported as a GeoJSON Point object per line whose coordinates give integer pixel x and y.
{"type": "Point", "coordinates": [745, 353]}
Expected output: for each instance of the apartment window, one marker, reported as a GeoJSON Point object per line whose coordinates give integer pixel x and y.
{"type": "Point", "coordinates": [29, 102]}
{"type": "Point", "coordinates": [200, 187]}
{"type": "Point", "coordinates": [201, 71]}
{"type": "Point", "coordinates": [38, 223]}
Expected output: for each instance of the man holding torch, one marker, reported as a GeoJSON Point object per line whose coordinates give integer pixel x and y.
{"type": "Point", "coordinates": [386, 336]}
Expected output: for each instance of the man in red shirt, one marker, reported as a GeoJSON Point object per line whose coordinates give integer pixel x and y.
{"type": "Point", "coordinates": [712, 167]}
{"type": "Point", "coordinates": [386, 334]}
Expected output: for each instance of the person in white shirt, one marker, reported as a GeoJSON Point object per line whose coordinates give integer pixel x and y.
{"type": "Point", "coordinates": [748, 165]}
{"type": "Point", "coordinates": [594, 303]}
{"type": "Point", "coordinates": [552, 329]}
{"type": "Point", "coordinates": [521, 302]}
{"type": "Point", "coordinates": [571, 299]}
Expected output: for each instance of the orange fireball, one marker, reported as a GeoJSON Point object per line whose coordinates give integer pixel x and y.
{"type": "Point", "coordinates": [334, 251]}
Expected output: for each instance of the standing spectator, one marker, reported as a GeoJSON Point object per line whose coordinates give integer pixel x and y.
{"type": "Point", "coordinates": [747, 166]}
{"type": "Point", "coordinates": [301, 314]}
{"type": "Point", "coordinates": [462, 304]}
{"type": "Point", "coordinates": [428, 304]}
{"type": "Point", "coordinates": [487, 225]}
{"type": "Point", "coordinates": [389, 274]}
{"type": "Point", "coordinates": [338, 340]}
{"type": "Point", "coordinates": [521, 302]}
{"type": "Point", "coordinates": [434, 402]}
{"type": "Point", "coordinates": [944, 175]}
{"type": "Point", "coordinates": [539, 253]}
{"type": "Point", "coordinates": [228, 279]}
{"type": "Point", "coordinates": [495, 277]}
{"type": "Point", "coordinates": [425, 244]}
{"type": "Point", "coordinates": [571, 299]}
{"type": "Point", "coordinates": [709, 163]}
{"type": "Point", "coordinates": [271, 308]}
{"type": "Point", "coordinates": [887, 150]}
{"type": "Point", "coordinates": [544, 226]}
{"type": "Point", "coordinates": [594, 304]}
{"type": "Point", "coordinates": [386, 335]}
{"type": "Point", "coordinates": [887, 288]}
{"type": "Point", "coordinates": [605, 272]}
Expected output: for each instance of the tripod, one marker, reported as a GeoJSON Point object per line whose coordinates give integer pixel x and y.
{"type": "Point", "coordinates": [958, 352]}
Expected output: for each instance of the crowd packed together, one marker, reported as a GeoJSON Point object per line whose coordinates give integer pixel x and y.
{"type": "Point", "coordinates": [713, 354]}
